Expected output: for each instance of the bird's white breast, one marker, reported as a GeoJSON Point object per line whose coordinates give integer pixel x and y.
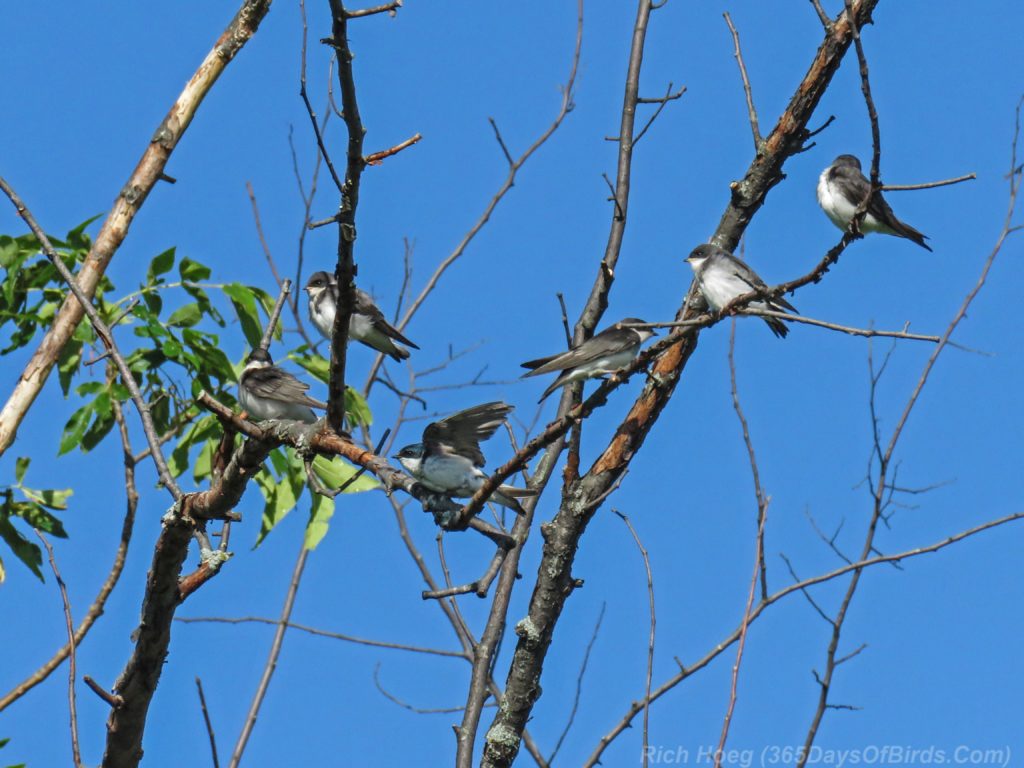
{"type": "Point", "coordinates": [720, 286]}
{"type": "Point", "coordinates": [322, 315]}
{"type": "Point", "coordinates": [839, 209]}
{"type": "Point", "coordinates": [450, 474]}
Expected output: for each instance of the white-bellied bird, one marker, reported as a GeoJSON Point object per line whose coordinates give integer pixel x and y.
{"type": "Point", "coordinates": [266, 391]}
{"type": "Point", "coordinates": [603, 353]}
{"type": "Point", "coordinates": [722, 277]}
{"type": "Point", "coordinates": [841, 189]}
{"type": "Point", "coordinates": [366, 324]}
{"type": "Point", "coordinates": [449, 459]}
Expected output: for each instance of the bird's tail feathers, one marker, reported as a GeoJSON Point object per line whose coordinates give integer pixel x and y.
{"type": "Point", "coordinates": [777, 326]}
{"type": "Point", "coordinates": [519, 493]}
{"type": "Point", "coordinates": [534, 365]}
{"type": "Point", "coordinates": [907, 231]}
{"type": "Point", "coordinates": [507, 501]}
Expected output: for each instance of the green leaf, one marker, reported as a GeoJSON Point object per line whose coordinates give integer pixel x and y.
{"type": "Point", "coordinates": [315, 365]}
{"type": "Point", "coordinates": [37, 517]}
{"type": "Point", "coordinates": [193, 271]}
{"type": "Point", "coordinates": [280, 498]}
{"type": "Point", "coordinates": [334, 473]}
{"type": "Point", "coordinates": [171, 348]}
{"type": "Point", "coordinates": [75, 429]}
{"type": "Point", "coordinates": [160, 265]}
{"type": "Point", "coordinates": [78, 239]}
{"type": "Point", "coordinates": [204, 461]}
{"type": "Point", "coordinates": [53, 499]}
{"type": "Point", "coordinates": [319, 519]}
{"type": "Point", "coordinates": [244, 303]}
{"type": "Point", "coordinates": [23, 549]}
{"type": "Point", "coordinates": [100, 428]}
{"type": "Point", "coordinates": [20, 466]}
{"type": "Point", "coordinates": [68, 363]}
{"type": "Point", "coordinates": [186, 316]}
{"type": "Point", "coordinates": [357, 409]}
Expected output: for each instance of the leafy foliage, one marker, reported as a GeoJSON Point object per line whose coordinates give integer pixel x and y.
{"type": "Point", "coordinates": [34, 508]}
{"type": "Point", "coordinates": [177, 322]}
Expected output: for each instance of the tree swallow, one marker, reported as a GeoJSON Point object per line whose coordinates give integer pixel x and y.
{"type": "Point", "coordinates": [606, 352]}
{"type": "Point", "coordinates": [366, 324]}
{"type": "Point", "coordinates": [268, 392]}
{"type": "Point", "coordinates": [722, 277]}
{"type": "Point", "coordinates": [842, 187]}
{"type": "Point", "coordinates": [449, 459]}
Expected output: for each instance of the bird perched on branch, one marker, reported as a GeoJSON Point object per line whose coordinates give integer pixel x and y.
{"type": "Point", "coordinates": [366, 323]}
{"type": "Point", "coordinates": [842, 188]}
{"type": "Point", "coordinates": [449, 459]}
{"type": "Point", "coordinates": [606, 352]}
{"type": "Point", "coordinates": [722, 277]}
{"type": "Point", "coordinates": [266, 391]}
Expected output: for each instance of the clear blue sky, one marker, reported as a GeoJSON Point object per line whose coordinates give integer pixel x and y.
{"type": "Point", "coordinates": [86, 87]}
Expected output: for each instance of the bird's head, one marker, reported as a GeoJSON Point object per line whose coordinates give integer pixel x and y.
{"type": "Point", "coordinates": [258, 358]}
{"type": "Point", "coordinates": [700, 254]}
{"type": "Point", "coordinates": [410, 457]}
{"type": "Point", "coordinates": [643, 333]}
{"type": "Point", "coordinates": [317, 283]}
{"type": "Point", "coordinates": [848, 161]}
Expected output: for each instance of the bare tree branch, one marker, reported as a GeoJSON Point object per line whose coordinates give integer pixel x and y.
{"type": "Point", "coordinates": [554, 582]}
{"type": "Point", "coordinates": [96, 608]}
{"type": "Point", "coordinates": [686, 671]}
{"type": "Point", "coordinates": [271, 665]}
{"type": "Point", "coordinates": [129, 200]}
{"type": "Point", "coordinates": [650, 641]}
{"type": "Point", "coordinates": [751, 110]}
{"type": "Point", "coordinates": [209, 724]}
{"type": "Point", "coordinates": [76, 754]}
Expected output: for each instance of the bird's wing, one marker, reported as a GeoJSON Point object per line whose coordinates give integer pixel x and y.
{"type": "Point", "coordinates": [275, 383]}
{"type": "Point", "coordinates": [462, 432]}
{"type": "Point", "coordinates": [852, 184]}
{"type": "Point", "coordinates": [607, 342]}
{"type": "Point", "coordinates": [364, 305]}
{"type": "Point", "coordinates": [751, 278]}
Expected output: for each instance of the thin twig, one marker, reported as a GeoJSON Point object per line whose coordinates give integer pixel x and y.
{"type": "Point", "coordinates": [405, 705]}
{"type": "Point", "coordinates": [113, 701]}
{"type": "Point", "coordinates": [759, 496]}
{"type": "Point", "coordinates": [76, 754]}
{"type": "Point", "coordinates": [662, 102]}
{"type": "Point", "coordinates": [564, 109]}
{"type": "Point", "coordinates": [105, 335]}
{"type": "Point", "coordinates": [209, 724]}
{"type": "Point", "coordinates": [378, 157]}
{"type": "Point", "coordinates": [688, 670]}
{"type": "Point", "coordinates": [275, 315]}
{"type": "Point", "coordinates": [650, 640]}
{"type": "Point", "coordinates": [388, 8]}
{"type": "Point", "coordinates": [867, 332]}
{"type": "Point", "coordinates": [271, 665]}
{"type": "Point", "coordinates": [98, 604]}
{"type": "Point", "coordinates": [826, 22]}
{"type": "Point", "coordinates": [259, 233]}
{"type": "Point", "coordinates": [927, 185]}
{"type": "Point", "coordinates": [320, 633]}
{"type": "Point", "coordinates": [751, 110]}
{"type": "Point", "coordinates": [758, 568]}
{"type": "Point", "coordinates": [579, 684]}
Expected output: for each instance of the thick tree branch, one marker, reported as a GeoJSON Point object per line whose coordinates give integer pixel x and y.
{"type": "Point", "coordinates": [345, 270]}
{"type": "Point", "coordinates": [133, 194]}
{"type": "Point", "coordinates": [554, 581]}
